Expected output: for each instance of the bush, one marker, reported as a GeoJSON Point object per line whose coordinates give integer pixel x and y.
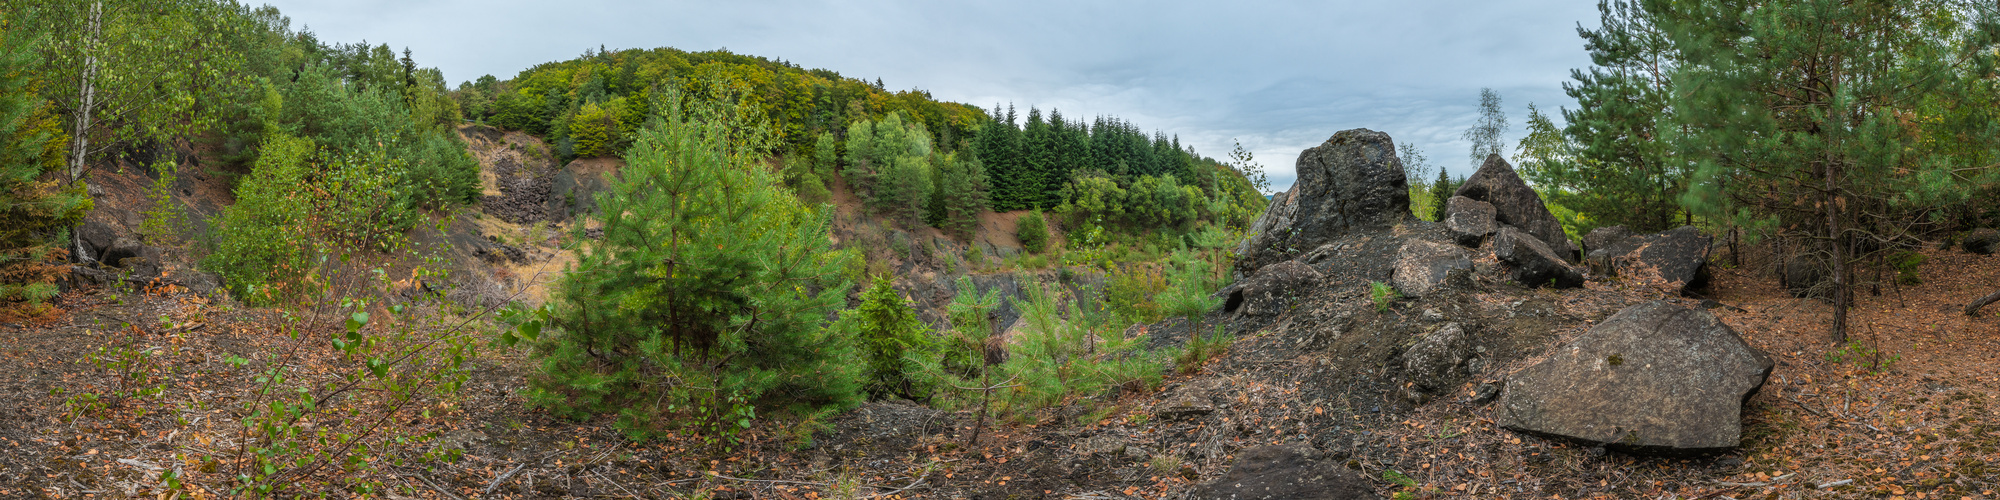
{"type": "Point", "coordinates": [1906, 262]}
{"type": "Point", "coordinates": [300, 205]}
{"type": "Point", "coordinates": [889, 332]}
{"type": "Point", "coordinates": [1130, 294]}
{"type": "Point", "coordinates": [706, 298]}
{"type": "Point", "coordinates": [1033, 231]}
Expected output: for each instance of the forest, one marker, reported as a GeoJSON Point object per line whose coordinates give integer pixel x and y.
{"type": "Point", "coordinates": [238, 260]}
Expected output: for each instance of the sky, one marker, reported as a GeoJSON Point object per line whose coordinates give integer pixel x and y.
{"type": "Point", "coordinates": [1278, 76]}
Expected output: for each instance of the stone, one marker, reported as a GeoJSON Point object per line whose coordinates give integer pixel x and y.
{"type": "Point", "coordinates": [1272, 289]}
{"type": "Point", "coordinates": [1279, 472]}
{"type": "Point", "coordinates": [1533, 264]}
{"type": "Point", "coordinates": [1678, 257]}
{"type": "Point", "coordinates": [1655, 378]}
{"type": "Point", "coordinates": [1807, 276]}
{"type": "Point", "coordinates": [1352, 181]}
{"type": "Point", "coordinates": [1437, 363]}
{"type": "Point", "coordinates": [1516, 204]}
{"type": "Point", "coordinates": [1604, 237]}
{"type": "Point", "coordinates": [1982, 241]}
{"type": "Point", "coordinates": [1470, 221]}
{"type": "Point", "coordinates": [1423, 267]}
{"type": "Point", "coordinates": [96, 236]}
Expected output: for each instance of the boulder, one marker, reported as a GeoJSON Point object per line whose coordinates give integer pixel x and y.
{"type": "Point", "coordinates": [96, 236]}
{"type": "Point", "coordinates": [1470, 221]}
{"type": "Point", "coordinates": [1603, 237]}
{"type": "Point", "coordinates": [1678, 257]}
{"type": "Point", "coordinates": [1354, 180]}
{"type": "Point", "coordinates": [1516, 204]}
{"type": "Point", "coordinates": [1982, 241]}
{"type": "Point", "coordinates": [1279, 472]}
{"type": "Point", "coordinates": [1423, 267]}
{"type": "Point", "coordinates": [1653, 378]}
{"type": "Point", "coordinates": [1807, 276]}
{"type": "Point", "coordinates": [1272, 289]}
{"type": "Point", "coordinates": [1436, 364]}
{"type": "Point", "coordinates": [1533, 263]}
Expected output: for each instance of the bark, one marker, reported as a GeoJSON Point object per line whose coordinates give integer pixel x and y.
{"type": "Point", "coordinates": [1973, 308]}
{"type": "Point", "coordinates": [1841, 298]}
{"type": "Point", "coordinates": [87, 97]}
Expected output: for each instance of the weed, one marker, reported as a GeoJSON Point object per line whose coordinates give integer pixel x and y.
{"type": "Point", "coordinates": [1382, 294]}
{"type": "Point", "coordinates": [1864, 357]}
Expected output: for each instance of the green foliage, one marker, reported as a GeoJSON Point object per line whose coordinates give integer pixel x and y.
{"type": "Point", "coordinates": [1071, 346]}
{"type": "Point", "coordinates": [1033, 232]}
{"type": "Point", "coordinates": [1486, 135]}
{"type": "Point", "coordinates": [888, 164]}
{"type": "Point", "coordinates": [1905, 263]}
{"type": "Point", "coordinates": [1864, 357]}
{"type": "Point", "coordinates": [1441, 193]}
{"type": "Point", "coordinates": [706, 298]}
{"type": "Point", "coordinates": [301, 206]}
{"type": "Point", "coordinates": [886, 325]}
{"type": "Point", "coordinates": [32, 211]}
{"type": "Point", "coordinates": [1417, 167]}
{"type": "Point", "coordinates": [164, 223]}
{"type": "Point", "coordinates": [1131, 293]}
{"type": "Point", "coordinates": [1382, 294]}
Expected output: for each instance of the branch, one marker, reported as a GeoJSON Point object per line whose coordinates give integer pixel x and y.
{"type": "Point", "coordinates": [1973, 308]}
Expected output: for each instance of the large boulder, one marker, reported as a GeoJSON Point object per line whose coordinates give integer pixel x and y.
{"type": "Point", "coordinates": [1470, 221]}
{"type": "Point", "coordinates": [1354, 180]}
{"type": "Point", "coordinates": [1982, 241]}
{"type": "Point", "coordinates": [1533, 263]}
{"type": "Point", "coordinates": [1516, 204]}
{"type": "Point", "coordinates": [1278, 472]}
{"type": "Point", "coordinates": [1272, 289]}
{"type": "Point", "coordinates": [1423, 266]}
{"type": "Point", "coordinates": [1437, 363]}
{"type": "Point", "coordinates": [1653, 378]}
{"type": "Point", "coordinates": [1678, 257]}
{"type": "Point", "coordinates": [1807, 276]}
{"type": "Point", "coordinates": [1603, 237]}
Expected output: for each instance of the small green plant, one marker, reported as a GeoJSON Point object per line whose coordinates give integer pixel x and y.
{"type": "Point", "coordinates": [1615, 360]}
{"type": "Point", "coordinates": [1033, 231]}
{"type": "Point", "coordinates": [164, 223]}
{"type": "Point", "coordinates": [135, 374]}
{"type": "Point", "coordinates": [975, 259]}
{"type": "Point", "coordinates": [1864, 357]}
{"type": "Point", "coordinates": [1401, 481]}
{"type": "Point", "coordinates": [1200, 349]}
{"type": "Point", "coordinates": [1164, 464]}
{"type": "Point", "coordinates": [1382, 294]}
{"type": "Point", "coordinates": [1906, 262]}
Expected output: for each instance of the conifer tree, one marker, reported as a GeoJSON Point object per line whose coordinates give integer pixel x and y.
{"type": "Point", "coordinates": [886, 326]}
{"type": "Point", "coordinates": [1614, 164]}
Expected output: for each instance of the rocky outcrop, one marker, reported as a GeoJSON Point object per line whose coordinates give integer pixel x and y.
{"type": "Point", "coordinates": [1470, 221]}
{"type": "Point", "coordinates": [1982, 241]}
{"type": "Point", "coordinates": [1653, 378]}
{"type": "Point", "coordinates": [1533, 263]}
{"type": "Point", "coordinates": [1603, 237]}
{"type": "Point", "coordinates": [1677, 258]}
{"type": "Point", "coordinates": [1272, 289]}
{"type": "Point", "coordinates": [1279, 472]}
{"type": "Point", "coordinates": [1423, 267]}
{"type": "Point", "coordinates": [1352, 181]}
{"type": "Point", "coordinates": [1516, 204]}
{"type": "Point", "coordinates": [1437, 363]}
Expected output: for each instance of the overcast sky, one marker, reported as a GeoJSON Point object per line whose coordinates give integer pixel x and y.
{"type": "Point", "coordinates": [1281, 76]}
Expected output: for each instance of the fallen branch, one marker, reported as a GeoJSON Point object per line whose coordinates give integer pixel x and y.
{"type": "Point", "coordinates": [1843, 482]}
{"type": "Point", "coordinates": [503, 478]}
{"type": "Point", "coordinates": [1773, 481]}
{"type": "Point", "coordinates": [1973, 308]}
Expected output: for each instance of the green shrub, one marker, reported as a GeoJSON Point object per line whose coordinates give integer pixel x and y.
{"type": "Point", "coordinates": [1084, 352]}
{"type": "Point", "coordinates": [1130, 293]}
{"type": "Point", "coordinates": [887, 328]}
{"type": "Point", "coordinates": [1382, 294]}
{"type": "Point", "coordinates": [1906, 262]}
{"type": "Point", "coordinates": [706, 298]}
{"type": "Point", "coordinates": [1033, 231]}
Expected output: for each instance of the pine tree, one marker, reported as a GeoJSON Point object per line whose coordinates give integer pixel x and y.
{"type": "Point", "coordinates": [886, 325]}
{"type": "Point", "coordinates": [1610, 162]}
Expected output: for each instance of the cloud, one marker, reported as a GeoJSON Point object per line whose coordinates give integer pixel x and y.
{"type": "Point", "coordinates": [1280, 76]}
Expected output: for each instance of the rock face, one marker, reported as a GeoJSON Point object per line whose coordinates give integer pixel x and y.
{"type": "Point", "coordinates": [1679, 257]}
{"type": "Point", "coordinates": [1437, 362]}
{"type": "Point", "coordinates": [1653, 378]}
{"type": "Point", "coordinates": [1470, 221]}
{"type": "Point", "coordinates": [1534, 264]}
{"type": "Point", "coordinates": [1277, 472]}
{"type": "Point", "coordinates": [1272, 289]}
{"type": "Point", "coordinates": [1603, 237]}
{"type": "Point", "coordinates": [1423, 267]}
{"type": "Point", "coordinates": [1516, 204]}
{"type": "Point", "coordinates": [1982, 241]}
{"type": "Point", "coordinates": [1353, 180]}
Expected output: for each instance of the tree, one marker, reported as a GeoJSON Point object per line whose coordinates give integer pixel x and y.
{"type": "Point", "coordinates": [1417, 167]}
{"type": "Point", "coordinates": [999, 148]}
{"type": "Point", "coordinates": [1033, 232]}
{"type": "Point", "coordinates": [1486, 134]}
{"type": "Point", "coordinates": [33, 210]}
{"type": "Point", "coordinates": [706, 297]}
{"type": "Point", "coordinates": [1806, 118]}
{"type": "Point", "coordinates": [1441, 193]}
{"type": "Point", "coordinates": [887, 327]}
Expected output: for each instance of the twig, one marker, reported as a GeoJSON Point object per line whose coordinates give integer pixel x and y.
{"type": "Point", "coordinates": [503, 478]}
{"type": "Point", "coordinates": [434, 486]}
{"type": "Point", "coordinates": [1773, 481]}
{"type": "Point", "coordinates": [601, 475]}
{"type": "Point", "coordinates": [1843, 482]}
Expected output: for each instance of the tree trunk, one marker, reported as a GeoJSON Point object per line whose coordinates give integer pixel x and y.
{"type": "Point", "coordinates": [1973, 308]}
{"type": "Point", "coordinates": [87, 96]}
{"type": "Point", "coordinates": [1841, 299]}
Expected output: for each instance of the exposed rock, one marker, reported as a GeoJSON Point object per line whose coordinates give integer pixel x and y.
{"type": "Point", "coordinates": [1534, 264]}
{"type": "Point", "coordinates": [96, 236]}
{"type": "Point", "coordinates": [1603, 237]}
{"type": "Point", "coordinates": [1278, 472]}
{"type": "Point", "coordinates": [1436, 363]}
{"type": "Point", "coordinates": [1423, 266]}
{"type": "Point", "coordinates": [1516, 204]}
{"type": "Point", "coordinates": [1354, 180]}
{"type": "Point", "coordinates": [1807, 276]}
{"type": "Point", "coordinates": [1982, 241]}
{"type": "Point", "coordinates": [573, 191]}
{"type": "Point", "coordinates": [1470, 221]}
{"type": "Point", "coordinates": [1653, 378]}
{"type": "Point", "coordinates": [1272, 289]}
{"type": "Point", "coordinates": [1678, 257]}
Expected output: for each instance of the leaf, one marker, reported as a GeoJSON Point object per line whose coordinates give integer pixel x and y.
{"type": "Point", "coordinates": [356, 321]}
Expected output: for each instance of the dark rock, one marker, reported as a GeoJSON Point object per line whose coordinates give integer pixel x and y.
{"type": "Point", "coordinates": [1423, 266]}
{"type": "Point", "coordinates": [573, 192]}
{"type": "Point", "coordinates": [1807, 276]}
{"type": "Point", "coordinates": [1678, 257]}
{"type": "Point", "coordinates": [1354, 180]}
{"type": "Point", "coordinates": [1653, 378]}
{"type": "Point", "coordinates": [1278, 472]}
{"type": "Point", "coordinates": [1470, 221]}
{"type": "Point", "coordinates": [1534, 264]}
{"type": "Point", "coordinates": [1516, 204]}
{"type": "Point", "coordinates": [96, 236]}
{"type": "Point", "coordinates": [1437, 363]}
{"type": "Point", "coordinates": [523, 191]}
{"type": "Point", "coordinates": [1603, 237]}
{"type": "Point", "coordinates": [119, 250]}
{"type": "Point", "coordinates": [1272, 289]}
{"type": "Point", "coordinates": [1982, 241]}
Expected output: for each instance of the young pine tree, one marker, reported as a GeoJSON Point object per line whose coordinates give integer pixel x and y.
{"type": "Point", "coordinates": [890, 335]}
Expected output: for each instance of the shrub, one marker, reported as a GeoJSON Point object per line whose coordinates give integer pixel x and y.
{"type": "Point", "coordinates": [1906, 262]}
{"type": "Point", "coordinates": [1033, 231]}
{"type": "Point", "coordinates": [1382, 294]}
{"type": "Point", "coordinates": [1130, 294]}
{"type": "Point", "coordinates": [889, 332]}
{"type": "Point", "coordinates": [300, 205]}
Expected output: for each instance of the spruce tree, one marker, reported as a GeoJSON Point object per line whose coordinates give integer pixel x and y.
{"type": "Point", "coordinates": [886, 326]}
{"type": "Point", "coordinates": [1614, 164]}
